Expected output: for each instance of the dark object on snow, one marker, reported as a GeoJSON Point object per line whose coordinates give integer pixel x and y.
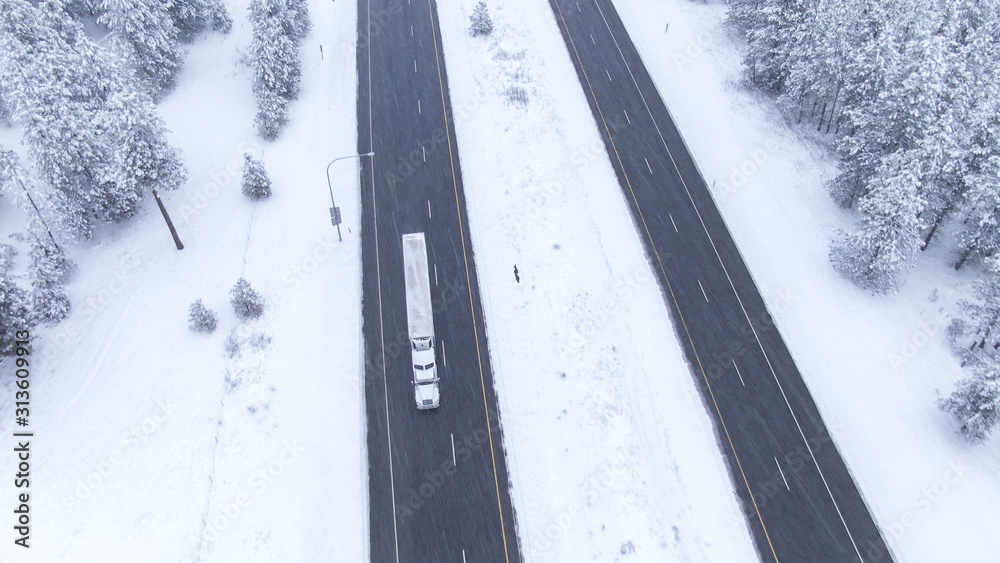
{"type": "Point", "coordinates": [481, 22]}
{"type": "Point", "coordinates": [201, 318]}
{"type": "Point", "coordinates": [170, 224]}
{"type": "Point", "coordinates": [517, 278]}
{"type": "Point", "coordinates": [247, 303]}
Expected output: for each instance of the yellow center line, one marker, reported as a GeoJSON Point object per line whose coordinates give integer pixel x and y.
{"type": "Point", "coordinates": [670, 289]}
{"type": "Point", "coordinates": [468, 277]}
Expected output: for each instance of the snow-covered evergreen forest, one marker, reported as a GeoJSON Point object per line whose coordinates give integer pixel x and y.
{"type": "Point", "coordinates": [907, 92]}
{"type": "Point", "coordinates": [80, 80]}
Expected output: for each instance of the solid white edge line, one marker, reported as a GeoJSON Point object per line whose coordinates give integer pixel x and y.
{"type": "Point", "coordinates": [745, 314]}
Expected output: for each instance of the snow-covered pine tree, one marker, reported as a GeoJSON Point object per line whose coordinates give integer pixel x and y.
{"type": "Point", "coordinates": [976, 401]}
{"type": "Point", "coordinates": [980, 235]}
{"type": "Point", "coordinates": [256, 184]}
{"type": "Point", "coordinates": [480, 22]}
{"type": "Point", "coordinates": [298, 15]}
{"type": "Point", "coordinates": [981, 313]}
{"type": "Point", "coordinates": [191, 17]}
{"type": "Point", "coordinates": [247, 303]}
{"type": "Point", "coordinates": [15, 313]}
{"type": "Point", "coordinates": [40, 203]}
{"type": "Point", "coordinates": [143, 159]}
{"type": "Point", "coordinates": [876, 256]}
{"type": "Point", "coordinates": [143, 31]}
{"type": "Point", "coordinates": [53, 99]}
{"type": "Point", "coordinates": [219, 17]}
{"type": "Point", "coordinates": [59, 84]}
{"type": "Point", "coordinates": [272, 114]}
{"type": "Point", "coordinates": [276, 65]}
{"type": "Point", "coordinates": [768, 27]}
{"type": "Point", "coordinates": [201, 318]}
{"type": "Point", "coordinates": [50, 269]}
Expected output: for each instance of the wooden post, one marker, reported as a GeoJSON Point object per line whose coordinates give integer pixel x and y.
{"type": "Point", "coordinates": [170, 224]}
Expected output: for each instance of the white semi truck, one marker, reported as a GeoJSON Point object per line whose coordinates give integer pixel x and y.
{"type": "Point", "coordinates": [420, 318]}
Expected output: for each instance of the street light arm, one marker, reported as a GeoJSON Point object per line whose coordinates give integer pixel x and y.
{"type": "Point", "coordinates": [329, 183]}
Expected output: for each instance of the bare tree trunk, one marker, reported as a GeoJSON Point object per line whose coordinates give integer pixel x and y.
{"type": "Point", "coordinates": [836, 98]}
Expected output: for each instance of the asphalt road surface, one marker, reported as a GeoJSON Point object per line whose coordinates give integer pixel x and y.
{"type": "Point", "coordinates": [438, 486]}
{"type": "Point", "coordinates": [800, 501]}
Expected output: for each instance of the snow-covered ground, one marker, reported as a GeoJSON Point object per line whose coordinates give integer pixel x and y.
{"type": "Point", "coordinates": [151, 444]}
{"type": "Point", "coordinates": [610, 451]}
{"type": "Point", "coordinates": [875, 365]}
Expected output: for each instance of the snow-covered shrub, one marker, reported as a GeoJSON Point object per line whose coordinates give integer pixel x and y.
{"type": "Point", "coordinates": [247, 303]}
{"type": "Point", "coordinates": [480, 22]}
{"type": "Point", "coordinates": [259, 341]}
{"type": "Point", "coordinates": [50, 269]}
{"type": "Point", "coordinates": [201, 318]}
{"type": "Point", "coordinates": [256, 184]}
{"type": "Point", "coordinates": [976, 401]}
{"type": "Point", "coordinates": [232, 346]}
{"type": "Point", "coordinates": [516, 96]}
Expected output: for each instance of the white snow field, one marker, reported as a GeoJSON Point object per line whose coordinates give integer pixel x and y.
{"type": "Point", "coordinates": [875, 365]}
{"type": "Point", "coordinates": [610, 451]}
{"type": "Point", "coordinates": [151, 445]}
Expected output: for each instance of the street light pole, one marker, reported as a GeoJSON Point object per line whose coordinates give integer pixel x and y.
{"type": "Point", "coordinates": [334, 210]}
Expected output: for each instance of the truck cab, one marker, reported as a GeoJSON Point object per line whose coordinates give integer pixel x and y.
{"type": "Point", "coordinates": [425, 380]}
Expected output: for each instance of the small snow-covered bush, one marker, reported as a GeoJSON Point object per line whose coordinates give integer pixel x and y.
{"type": "Point", "coordinates": [256, 184]}
{"type": "Point", "coordinates": [976, 402]}
{"type": "Point", "coordinates": [516, 96]}
{"type": "Point", "coordinates": [247, 303]}
{"type": "Point", "coordinates": [232, 346]}
{"type": "Point", "coordinates": [259, 341]}
{"type": "Point", "coordinates": [481, 24]}
{"type": "Point", "coordinates": [201, 318]}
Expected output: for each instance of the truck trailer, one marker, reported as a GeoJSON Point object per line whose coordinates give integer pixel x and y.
{"type": "Point", "coordinates": [420, 320]}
